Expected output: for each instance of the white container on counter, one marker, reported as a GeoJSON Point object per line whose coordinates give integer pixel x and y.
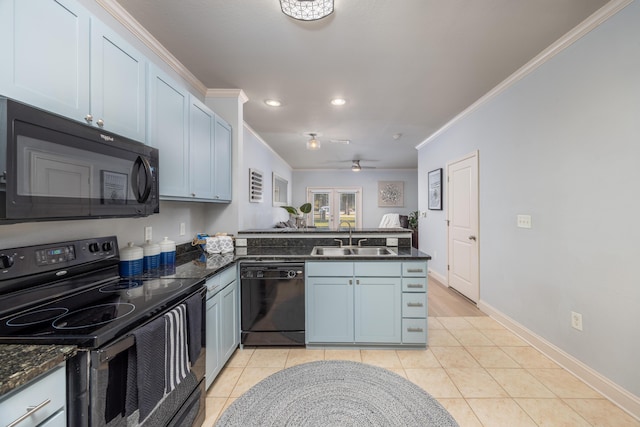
{"type": "Point", "coordinates": [167, 253]}
{"type": "Point", "coordinates": [131, 260]}
{"type": "Point", "coordinates": [151, 260]}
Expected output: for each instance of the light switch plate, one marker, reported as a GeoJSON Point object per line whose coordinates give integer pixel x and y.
{"type": "Point", "coordinates": [524, 221]}
{"type": "Point", "coordinates": [148, 234]}
{"type": "Point", "coordinates": [182, 229]}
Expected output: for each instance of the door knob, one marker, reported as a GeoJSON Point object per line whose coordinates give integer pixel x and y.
{"type": "Point", "coordinates": [472, 238]}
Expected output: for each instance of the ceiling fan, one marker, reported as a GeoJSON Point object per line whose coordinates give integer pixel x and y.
{"type": "Point", "coordinates": [356, 167]}
{"type": "Point", "coordinates": [314, 143]}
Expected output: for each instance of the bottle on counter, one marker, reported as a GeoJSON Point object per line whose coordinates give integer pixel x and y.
{"type": "Point", "coordinates": [151, 260]}
{"type": "Point", "coordinates": [167, 256]}
{"type": "Point", "coordinates": [131, 261]}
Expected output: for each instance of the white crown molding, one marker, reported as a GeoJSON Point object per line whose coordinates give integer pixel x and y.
{"type": "Point", "coordinates": [227, 93]}
{"type": "Point", "coordinates": [130, 23]}
{"type": "Point", "coordinates": [612, 391]}
{"type": "Point", "coordinates": [593, 21]}
{"type": "Point", "coordinates": [267, 146]}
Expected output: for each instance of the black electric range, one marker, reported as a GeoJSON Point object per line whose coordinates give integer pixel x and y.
{"type": "Point", "coordinates": [70, 293]}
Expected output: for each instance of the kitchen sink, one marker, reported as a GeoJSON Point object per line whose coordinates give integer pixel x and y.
{"type": "Point", "coordinates": [334, 251]}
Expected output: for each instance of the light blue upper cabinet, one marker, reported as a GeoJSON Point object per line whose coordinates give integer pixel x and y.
{"type": "Point", "coordinates": [201, 150]}
{"type": "Point", "coordinates": [56, 56]}
{"type": "Point", "coordinates": [222, 170]}
{"type": "Point", "coordinates": [118, 84]}
{"type": "Point", "coordinates": [44, 52]}
{"type": "Point", "coordinates": [168, 130]}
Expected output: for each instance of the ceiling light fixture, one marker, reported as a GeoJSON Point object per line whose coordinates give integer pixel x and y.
{"type": "Point", "coordinates": [338, 101]}
{"type": "Point", "coordinates": [313, 144]}
{"type": "Point", "coordinates": [355, 167]}
{"type": "Point", "coordinates": [273, 102]}
{"type": "Point", "coordinates": [307, 10]}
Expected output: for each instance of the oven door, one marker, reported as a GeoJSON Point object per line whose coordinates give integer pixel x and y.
{"type": "Point", "coordinates": [111, 397]}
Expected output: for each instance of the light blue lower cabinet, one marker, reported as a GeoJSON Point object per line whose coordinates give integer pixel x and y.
{"type": "Point", "coordinates": [358, 303]}
{"type": "Point", "coordinates": [222, 328]}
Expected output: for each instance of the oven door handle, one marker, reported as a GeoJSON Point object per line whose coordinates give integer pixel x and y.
{"type": "Point", "coordinates": [128, 341]}
{"type": "Point", "coordinates": [116, 348]}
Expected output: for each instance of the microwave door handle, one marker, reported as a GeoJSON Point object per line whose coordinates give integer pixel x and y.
{"type": "Point", "coordinates": [141, 162]}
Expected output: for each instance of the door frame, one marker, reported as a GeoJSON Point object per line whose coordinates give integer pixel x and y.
{"type": "Point", "coordinates": [473, 155]}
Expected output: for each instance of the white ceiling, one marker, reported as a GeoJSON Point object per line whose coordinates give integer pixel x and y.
{"type": "Point", "coordinates": [404, 66]}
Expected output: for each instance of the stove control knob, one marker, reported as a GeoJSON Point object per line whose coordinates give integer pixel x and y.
{"type": "Point", "coordinates": [6, 261]}
{"type": "Point", "coordinates": [94, 247]}
{"type": "Point", "coordinates": [107, 246]}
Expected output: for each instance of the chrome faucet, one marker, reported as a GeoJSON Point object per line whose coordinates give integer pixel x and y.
{"type": "Point", "coordinates": [349, 224]}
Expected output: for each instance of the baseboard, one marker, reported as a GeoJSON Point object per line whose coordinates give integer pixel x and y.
{"type": "Point", "coordinates": [627, 401]}
{"type": "Point", "coordinates": [440, 278]}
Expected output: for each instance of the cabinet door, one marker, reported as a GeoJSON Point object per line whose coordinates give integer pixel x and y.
{"type": "Point", "coordinates": [378, 310]}
{"type": "Point", "coordinates": [118, 88]}
{"type": "Point", "coordinates": [230, 332]}
{"type": "Point", "coordinates": [222, 153]}
{"type": "Point", "coordinates": [44, 52]}
{"type": "Point", "coordinates": [329, 306]}
{"type": "Point", "coordinates": [201, 153]}
{"type": "Point", "coordinates": [213, 361]}
{"type": "Point", "coordinates": [168, 106]}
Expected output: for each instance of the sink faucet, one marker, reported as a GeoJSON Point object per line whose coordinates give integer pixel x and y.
{"type": "Point", "coordinates": [349, 224]}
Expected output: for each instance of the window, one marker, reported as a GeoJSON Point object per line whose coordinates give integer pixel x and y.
{"type": "Point", "coordinates": [333, 206]}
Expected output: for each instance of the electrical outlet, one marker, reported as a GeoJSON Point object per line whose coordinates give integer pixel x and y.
{"type": "Point", "coordinates": [241, 242]}
{"type": "Point", "coordinates": [576, 320]}
{"type": "Point", "coordinates": [183, 230]}
{"type": "Point", "coordinates": [148, 234]}
{"type": "Point", "coordinates": [524, 221]}
{"type": "Point", "coordinates": [392, 241]}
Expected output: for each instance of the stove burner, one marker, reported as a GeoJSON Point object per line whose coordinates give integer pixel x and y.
{"type": "Point", "coordinates": [37, 316]}
{"type": "Point", "coordinates": [122, 285]}
{"type": "Point", "coordinates": [94, 315]}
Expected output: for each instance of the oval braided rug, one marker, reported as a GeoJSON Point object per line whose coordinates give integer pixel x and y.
{"type": "Point", "coordinates": [336, 393]}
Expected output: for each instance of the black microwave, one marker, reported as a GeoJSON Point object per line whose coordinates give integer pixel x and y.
{"type": "Point", "coordinates": [53, 168]}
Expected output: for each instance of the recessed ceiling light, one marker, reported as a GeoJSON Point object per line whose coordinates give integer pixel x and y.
{"type": "Point", "coordinates": [273, 102]}
{"type": "Point", "coordinates": [338, 101]}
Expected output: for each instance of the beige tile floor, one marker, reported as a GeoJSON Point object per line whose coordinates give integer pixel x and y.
{"type": "Point", "coordinates": [481, 372]}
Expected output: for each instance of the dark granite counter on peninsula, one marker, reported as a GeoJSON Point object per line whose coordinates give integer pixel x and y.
{"type": "Point", "coordinates": [21, 363]}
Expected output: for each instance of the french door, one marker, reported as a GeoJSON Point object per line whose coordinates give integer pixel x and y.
{"type": "Point", "coordinates": [335, 206]}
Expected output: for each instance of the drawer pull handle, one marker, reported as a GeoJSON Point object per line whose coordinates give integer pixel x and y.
{"type": "Point", "coordinates": [350, 282]}
{"type": "Point", "coordinates": [415, 304]}
{"type": "Point", "coordinates": [30, 411]}
{"type": "Point", "coordinates": [415, 270]}
{"type": "Point", "coordinates": [414, 285]}
{"type": "Point", "coordinates": [415, 330]}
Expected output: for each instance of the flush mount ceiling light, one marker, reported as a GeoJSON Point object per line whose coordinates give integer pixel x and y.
{"type": "Point", "coordinates": [272, 102]}
{"type": "Point", "coordinates": [338, 101]}
{"type": "Point", "coordinates": [307, 10]}
{"type": "Point", "coordinates": [313, 144]}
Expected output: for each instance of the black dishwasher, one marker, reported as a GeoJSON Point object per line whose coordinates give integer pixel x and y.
{"type": "Point", "coordinates": [272, 303]}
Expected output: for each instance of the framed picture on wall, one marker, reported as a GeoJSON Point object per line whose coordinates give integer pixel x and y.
{"type": "Point", "coordinates": [391, 193]}
{"type": "Point", "coordinates": [435, 190]}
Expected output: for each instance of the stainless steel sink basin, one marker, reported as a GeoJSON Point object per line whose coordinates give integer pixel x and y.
{"type": "Point", "coordinates": [334, 251]}
{"type": "Point", "coordinates": [372, 251]}
{"type": "Point", "coordinates": [330, 251]}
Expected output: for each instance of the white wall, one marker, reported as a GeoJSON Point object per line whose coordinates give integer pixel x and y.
{"type": "Point", "coordinates": [167, 223]}
{"type": "Point", "coordinates": [562, 145]}
{"type": "Point", "coordinates": [368, 180]}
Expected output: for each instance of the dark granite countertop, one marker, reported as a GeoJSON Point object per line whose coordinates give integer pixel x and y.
{"type": "Point", "coordinates": [21, 363]}
{"type": "Point", "coordinates": [304, 253]}
{"type": "Point", "coordinates": [311, 230]}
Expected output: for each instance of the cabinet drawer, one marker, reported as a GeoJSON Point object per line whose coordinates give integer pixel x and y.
{"type": "Point", "coordinates": [414, 331]}
{"type": "Point", "coordinates": [378, 269]}
{"type": "Point", "coordinates": [416, 268]}
{"type": "Point", "coordinates": [227, 276]}
{"type": "Point", "coordinates": [414, 305]}
{"type": "Point", "coordinates": [50, 386]}
{"type": "Point", "coordinates": [414, 284]}
{"type": "Point", "coordinates": [330, 269]}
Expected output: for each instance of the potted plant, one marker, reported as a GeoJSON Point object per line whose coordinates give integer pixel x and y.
{"type": "Point", "coordinates": [413, 225]}
{"type": "Point", "coordinates": [298, 213]}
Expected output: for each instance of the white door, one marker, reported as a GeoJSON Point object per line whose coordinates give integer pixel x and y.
{"type": "Point", "coordinates": [332, 206]}
{"type": "Point", "coordinates": [462, 217]}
